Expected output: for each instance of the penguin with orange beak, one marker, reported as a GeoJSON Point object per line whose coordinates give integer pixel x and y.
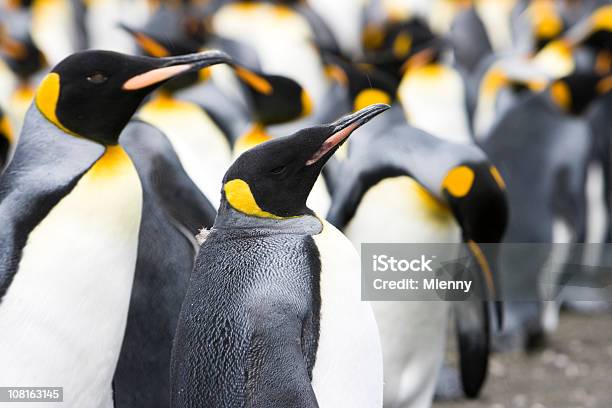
{"type": "Point", "coordinates": [71, 205]}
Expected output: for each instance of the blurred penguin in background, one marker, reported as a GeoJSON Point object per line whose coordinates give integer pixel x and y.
{"type": "Point", "coordinates": [400, 177]}
{"type": "Point", "coordinates": [282, 38]}
{"type": "Point", "coordinates": [28, 65]}
{"type": "Point", "coordinates": [101, 18]}
{"type": "Point", "coordinates": [432, 89]}
{"type": "Point", "coordinates": [201, 145]}
{"type": "Point", "coordinates": [552, 172]}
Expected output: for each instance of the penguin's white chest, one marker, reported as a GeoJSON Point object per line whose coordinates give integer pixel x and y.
{"type": "Point", "coordinates": [63, 317]}
{"type": "Point", "coordinates": [202, 148]}
{"type": "Point", "coordinates": [101, 20]}
{"type": "Point", "coordinates": [412, 333]}
{"type": "Point", "coordinates": [398, 209]}
{"type": "Point", "coordinates": [348, 367]}
{"type": "Point", "coordinates": [53, 28]}
{"type": "Point", "coordinates": [433, 98]}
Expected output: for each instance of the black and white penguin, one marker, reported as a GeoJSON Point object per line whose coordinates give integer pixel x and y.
{"type": "Point", "coordinates": [173, 211]}
{"type": "Point", "coordinates": [400, 184]}
{"type": "Point", "coordinates": [552, 172]}
{"type": "Point", "coordinates": [200, 142]}
{"type": "Point", "coordinates": [201, 145]}
{"type": "Point", "coordinates": [499, 86]}
{"type": "Point", "coordinates": [431, 89]}
{"type": "Point", "coordinates": [282, 39]}
{"type": "Point", "coordinates": [273, 315]}
{"type": "Point", "coordinates": [70, 206]}
{"type": "Point", "coordinates": [29, 66]}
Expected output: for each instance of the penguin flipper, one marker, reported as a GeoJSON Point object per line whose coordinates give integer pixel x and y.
{"type": "Point", "coordinates": [278, 374]}
{"type": "Point", "coordinates": [473, 338]}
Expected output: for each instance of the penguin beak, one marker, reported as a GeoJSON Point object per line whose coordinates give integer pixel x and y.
{"type": "Point", "coordinates": [170, 67]}
{"type": "Point", "coordinates": [149, 45]}
{"type": "Point", "coordinates": [344, 127]}
{"type": "Point", "coordinates": [486, 260]}
{"type": "Point", "coordinates": [10, 47]}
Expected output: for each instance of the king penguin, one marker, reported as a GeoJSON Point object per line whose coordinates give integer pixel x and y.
{"type": "Point", "coordinates": [553, 173]}
{"type": "Point", "coordinates": [431, 89]}
{"type": "Point", "coordinates": [70, 206]}
{"type": "Point", "coordinates": [273, 315]}
{"type": "Point", "coordinates": [200, 142]}
{"type": "Point", "coordinates": [29, 65]}
{"type": "Point", "coordinates": [400, 184]}
{"type": "Point", "coordinates": [173, 211]}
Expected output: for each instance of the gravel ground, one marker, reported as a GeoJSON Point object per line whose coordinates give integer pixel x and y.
{"type": "Point", "coordinates": [574, 371]}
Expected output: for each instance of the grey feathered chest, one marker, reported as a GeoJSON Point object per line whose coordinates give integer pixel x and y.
{"type": "Point", "coordinates": [249, 295]}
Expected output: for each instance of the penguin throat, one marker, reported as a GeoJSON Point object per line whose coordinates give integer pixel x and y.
{"type": "Point", "coordinates": [230, 219]}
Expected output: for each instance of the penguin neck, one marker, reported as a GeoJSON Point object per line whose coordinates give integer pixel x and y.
{"type": "Point", "coordinates": [229, 219]}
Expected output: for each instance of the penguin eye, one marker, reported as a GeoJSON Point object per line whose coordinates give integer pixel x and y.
{"type": "Point", "coordinates": [278, 170]}
{"type": "Point", "coordinates": [97, 78]}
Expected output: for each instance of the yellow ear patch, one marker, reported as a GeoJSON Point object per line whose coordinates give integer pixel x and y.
{"type": "Point", "coordinates": [497, 177]}
{"type": "Point", "coordinates": [458, 182]}
{"type": "Point", "coordinates": [561, 95]}
{"type": "Point", "coordinates": [46, 99]}
{"type": "Point", "coordinates": [239, 196]}
{"type": "Point", "coordinates": [369, 97]}
{"type": "Point", "coordinates": [602, 19]}
{"type": "Point", "coordinates": [402, 45]}
{"type": "Point", "coordinates": [6, 130]}
{"type": "Point", "coordinates": [306, 103]}
{"type": "Point", "coordinates": [544, 18]}
{"type": "Point", "coordinates": [255, 81]}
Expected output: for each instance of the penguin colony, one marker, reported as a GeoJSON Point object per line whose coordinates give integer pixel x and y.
{"type": "Point", "coordinates": [176, 230]}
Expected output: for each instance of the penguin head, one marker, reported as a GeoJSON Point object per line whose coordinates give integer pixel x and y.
{"type": "Point", "coordinates": [274, 98]}
{"type": "Point", "coordinates": [575, 93]}
{"type": "Point", "coordinates": [475, 192]}
{"type": "Point", "coordinates": [388, 46]}
{"type": "Point", "coordinates": [366, 84]}
{"type": "Point", "coordinates": [428, 54]}
{"type": "Point", "coordinates": [273, 179]}
{"type": "Point", "coordinates": [595, 31]}
{"type": "Point", "coordinates": [22, 56]}
{"type": "Point", "coordinates": [163, 45]}
{"type": "Point", "coordinates": [19, 4]}
{"type": "Point", "coordinates": [547, 24]}
{"type": "Point", "coordinates": [93, 94]}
